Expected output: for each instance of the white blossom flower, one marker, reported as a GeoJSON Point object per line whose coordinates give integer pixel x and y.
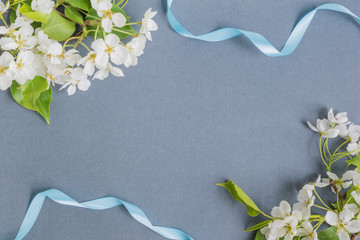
{"type": "Point", "coordinates": [286, 228]}
{"type": "Point", "coordinates": [343, 222]}
{"type": "Point", "coordinates": [352, 132]}
{"type": "Point", "coordinates": [323, 127]}
{"type": "Point", "coordinates": [306, 201]}
{"type": "Point", "coordinates": [282, 211]}
{"type": "Point", "coordinates": [53, 52]}
{"type": "Point", "coordinates": [15, 38]}
{"type": "Point", "coordinates": [148, 25]}
{"type": "Point", "coordinates": [24, 38]}
{"type": "Point", "coordinates": [109, 17]}
{"type": "Point", "coordinates": [104, 73]}
{"type": "Point", "coordinates": [44, 6]}
{"type": "Point", "coordinates": [70, 57]}
{"type": "Point", "coordinates": [344, 182]}
{"type": "Point", "coordinates": [23, 68]}
{"type": "Point", "coordinates": [307, 232]}
{"type": "Point", "coordinates": [55, 74]}
{"type": "Point", "coordinates": [78, 79]}
{"type": "Point", "coordinates": [6, 76]}
{"type": "Point", "coordinates": [136, 48]}
{"type": "Point", "coordinates": [88, 62]}
{"type": "Point", "coordinates": [108, 49]}
{"type": "Point", "coordinates": [340, 118]}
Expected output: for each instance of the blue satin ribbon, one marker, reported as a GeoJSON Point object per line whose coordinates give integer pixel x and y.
{"type": "Point", "coordinates": [257, 39]}
{"type": "Point", "coordinates": [98, 204]}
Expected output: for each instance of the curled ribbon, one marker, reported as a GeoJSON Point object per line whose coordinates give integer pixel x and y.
{"type": "Point", "coordinates": [97, 204]}
{"type": "Point", "coordinates": [257, 39]}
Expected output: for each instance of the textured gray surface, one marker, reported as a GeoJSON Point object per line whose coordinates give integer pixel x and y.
{"type": "Point", "coordinates": [189, 115]}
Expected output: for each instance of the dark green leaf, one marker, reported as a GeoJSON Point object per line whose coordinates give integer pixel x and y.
{"type": "Point", "coordinates": [36, 25]}
{"type": "Point", "coordinates": [259, 236]}
{"type": "Point", "coordinates": [35, 16]}
{"type": "Point", "coordinates": [258, 226]}
{"type": "Point", "coordinates": [35, 95]}
{"type": "Point", "coordinates": [122, 33]}
{"type": "Point", "coordinates": [13, 16]}
{"type": "Point", "coordinates": [73, 14]}
{"type": "Point", "coordinates": [354, 161]}
{"type": "Point", "coordinates": [241, 196]}
{"type": "Point", "coordinates": [328, 234]}
{"type": "Point", "coordinates": [58, 28]}
{"type": "Point", "coordinates": [82, 4]}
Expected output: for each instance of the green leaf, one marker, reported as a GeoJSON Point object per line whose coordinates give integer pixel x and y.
{"type": "Point", "coordinates": [258, 226]}
{"type": "Point", "coordinates": [260, 236]}
{"type": "Point", "coordinates": [82, 4]}
{"type": "Point", "coordinates": [35, 16]}
{"type": "Point", "coordinates": [36, 25]}
{"type": "Point", "coordinates": [328, 234]}
{"type": "Point", "coordinates": [35, 95]}
{"type": "Point", "coordinates": [129, 31]}
{"type": "Point", "coordinates": [354, 161]}
{"type": "Point", "coordinates": [73, 14]}
{"type": "Point", "coordinates": [43, 104]}
{"type": "Point", "coordinates": [13, 16]}
{"type": "Point", "coordinates": [349, 198]}
{"type": "Point", "coordinates": [58, 28]}
{"type": "Point", "coordinates": [241, 196]}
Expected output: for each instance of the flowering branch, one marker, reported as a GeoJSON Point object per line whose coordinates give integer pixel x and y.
{"type": "Point", "coordinates": [36, 54]}
{"type": "Point", "coordinates": [343, 216]}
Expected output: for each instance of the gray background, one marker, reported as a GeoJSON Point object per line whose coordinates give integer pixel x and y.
{"type": "Point", "coordinates": [191, 114]}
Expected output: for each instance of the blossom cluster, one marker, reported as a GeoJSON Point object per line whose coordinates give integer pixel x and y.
{"type": "Point", "coordinates": [295, 222]}
{"type": "Point", "coordinates": [305, 217]}
{"type": "Point", "coordinates": [29, 52]}
{"type": "Point", "coordinates": [339, 126]}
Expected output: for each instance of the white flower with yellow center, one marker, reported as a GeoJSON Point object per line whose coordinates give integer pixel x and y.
{"type": "Point", "coordinates": [109, 49]}
{"type": "Point", "coordinates": [323, 127]}
{"type": "Point", "coordinates": [109, 17]}
{"type": "Point", "coordinates": [307, 232]}
{"type": "Point", "coordinates": [78, 79]}
{"type": "Point", "coordinates": [23, 69]}
{"type": "Point", "coordinates": [306, 201]}
{"type": "Point", "coordinates": [135, 49]}
{"type": "Point", "coordinates": [344, 222]}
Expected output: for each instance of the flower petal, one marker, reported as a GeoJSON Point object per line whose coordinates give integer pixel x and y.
{"type": "Point", "coordinates": [331, 218]}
